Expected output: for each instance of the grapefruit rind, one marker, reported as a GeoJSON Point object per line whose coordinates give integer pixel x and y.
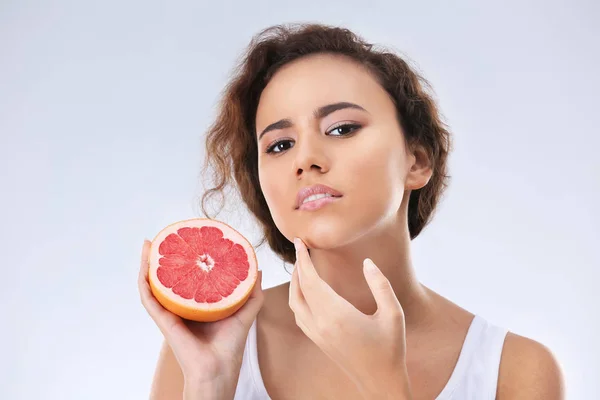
{"type": "Point", "coordinates": [189, 308]}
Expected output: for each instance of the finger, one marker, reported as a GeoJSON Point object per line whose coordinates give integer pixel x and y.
{"type": "Point", "coordinates": [144, 259]}
{"type": "Point", "coordinates": [310, 283]}
{"type": "Point", "coordinates": [297, 302]}
{"type": "Point", "coordinates": [257, 289]}
{"type": "Point", "coordinates": [163, 318]}
{"type": "Point", "coordinates": [381, 288]}
{"type": "Point", "coordinates": [248, 312]}
{"type": "Point", "coordinates": [298, 305]}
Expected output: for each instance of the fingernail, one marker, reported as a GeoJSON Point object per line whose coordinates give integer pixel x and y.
{"type": "Point", "coordinates": [296, 243]}
{"type": "Point", "coordinates": [370, 266]}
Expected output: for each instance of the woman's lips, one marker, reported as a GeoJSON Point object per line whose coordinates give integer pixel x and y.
{"type": "Point", "coordinates": [308, 191]}
{"type": "Point", "coordinates": [317, 204]}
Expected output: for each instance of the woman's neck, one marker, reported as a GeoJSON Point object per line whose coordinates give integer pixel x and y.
{"type": "Point", "coordinates": [342, 269]}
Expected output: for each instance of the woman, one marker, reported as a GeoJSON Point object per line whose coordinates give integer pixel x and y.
{"type": "Point", "coordinates": [339, 145]}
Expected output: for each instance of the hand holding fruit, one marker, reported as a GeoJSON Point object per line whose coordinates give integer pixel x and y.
{"type": "Point", "coordinates": [209, 353]}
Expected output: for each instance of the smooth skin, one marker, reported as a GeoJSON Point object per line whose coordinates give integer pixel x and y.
{"type": "Point", "coordinates": [374, 168]}
{"type": "Point", "coordinates": [369, 349]}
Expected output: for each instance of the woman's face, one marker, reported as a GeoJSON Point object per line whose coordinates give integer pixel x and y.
{"type": "Point", "coordinates": [359, 153]}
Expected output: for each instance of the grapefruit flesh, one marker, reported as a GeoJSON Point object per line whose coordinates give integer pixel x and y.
{"type": "Point", "coordinates": [202, 269]}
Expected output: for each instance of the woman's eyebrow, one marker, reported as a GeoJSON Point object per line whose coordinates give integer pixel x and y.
{"type": "Point", "coordinates": [319, 113]}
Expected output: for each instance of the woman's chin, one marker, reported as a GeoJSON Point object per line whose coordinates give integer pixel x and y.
{"type": "Point", "coordinates": [324, 236]}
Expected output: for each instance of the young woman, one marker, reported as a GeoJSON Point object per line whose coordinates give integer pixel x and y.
{"type": "Point", "coordinates": [339, 152]}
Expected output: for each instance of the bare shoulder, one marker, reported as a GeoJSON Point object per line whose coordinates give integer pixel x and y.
{"type": "Point", "coordinates": [275, 306]}
{"type": "Point", "coordinates": [529, 370]}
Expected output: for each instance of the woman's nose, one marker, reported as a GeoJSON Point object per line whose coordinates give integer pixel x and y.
{"type": "Point", "coordinates": [310, 155]}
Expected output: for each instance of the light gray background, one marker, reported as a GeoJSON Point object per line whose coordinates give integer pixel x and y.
{"type": "Point", "coordinates": [103, 106]}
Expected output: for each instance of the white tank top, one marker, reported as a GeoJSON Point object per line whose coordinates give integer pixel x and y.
{"type": "Point", "coordinates": [475, 375]}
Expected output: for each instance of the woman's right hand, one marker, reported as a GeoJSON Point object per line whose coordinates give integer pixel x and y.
{"type": "Point", "coordinates": [209, 353]}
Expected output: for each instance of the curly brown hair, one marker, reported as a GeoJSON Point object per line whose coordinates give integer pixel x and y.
{"type": "Point", "coordinates": [231, 142]}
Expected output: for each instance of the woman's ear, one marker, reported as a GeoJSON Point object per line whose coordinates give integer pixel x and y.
{"type": "Point", "coordinates": [420, 168]}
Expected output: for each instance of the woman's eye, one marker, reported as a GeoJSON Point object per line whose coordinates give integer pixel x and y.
{"type": "Point", "coordinates": [283, 145]}
{"type": "Point", "coordinates": [279, 146]}
{"type": "Point", "coordinates": [344, 129]}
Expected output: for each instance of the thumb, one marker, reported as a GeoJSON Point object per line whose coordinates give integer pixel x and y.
{"type": "Point", "coordinates": [380, 287]}
{"type": "Point", "coordinates": [250, 309]}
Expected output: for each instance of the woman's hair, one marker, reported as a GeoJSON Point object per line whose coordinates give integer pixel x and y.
{"type": "Point", "coordinates": [231, 142]}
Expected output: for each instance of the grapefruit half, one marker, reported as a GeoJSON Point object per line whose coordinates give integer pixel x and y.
{"type": "Point", "coordinates": [202, 269]}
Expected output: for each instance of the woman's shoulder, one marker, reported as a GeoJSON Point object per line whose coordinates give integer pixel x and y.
{"type": "Point", "coordinates": [277, 292]}
{"type": "Point", "coordinates": [275, 311]}
{"type": "Point", "coordinates": [529, 369]}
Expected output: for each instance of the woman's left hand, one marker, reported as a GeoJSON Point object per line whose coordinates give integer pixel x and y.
{"type": "Point", "coordinates": [370, 349]}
